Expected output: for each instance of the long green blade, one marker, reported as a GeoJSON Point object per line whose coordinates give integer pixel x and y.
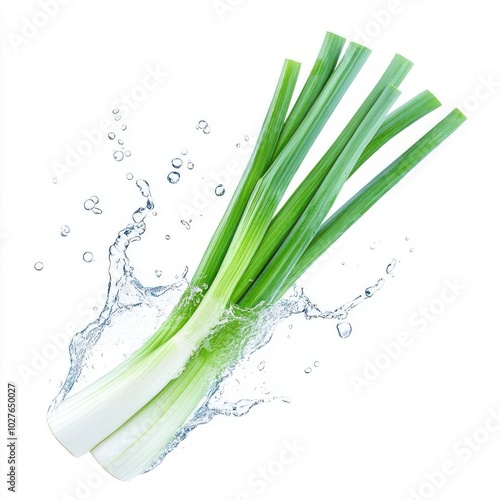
{"type": "Point", "coordinates": [287, 217]}
{"type": "Point", "coordinates": [326, 61]}
{"type": "Point", "coordinates": [349, 213]}
{"type": "Point", "coordinates": [285, 259]}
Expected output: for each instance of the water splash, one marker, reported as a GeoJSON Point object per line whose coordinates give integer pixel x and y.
{"type": "Point", "coordinates": [114, 335]}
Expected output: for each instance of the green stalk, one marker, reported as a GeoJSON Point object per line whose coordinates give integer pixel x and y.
{"type": "Point", "coordinates": [349, 213]}
{"type": "Point", "coordinates": [285, 259]}
{"type": "Point", "coordinates": [287, 217]}
{"type": "Point", "coordinates": [323, 68]}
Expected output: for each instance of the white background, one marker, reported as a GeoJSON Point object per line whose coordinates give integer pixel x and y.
{"type": "Point", "coordinates": [222, 65]}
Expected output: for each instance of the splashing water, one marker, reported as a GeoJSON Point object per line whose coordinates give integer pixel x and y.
{"type": "Point", "coordinates": [132, 312]}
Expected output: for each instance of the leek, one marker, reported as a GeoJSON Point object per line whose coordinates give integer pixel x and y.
{"type": "Point", "coordinates": [127, 417]}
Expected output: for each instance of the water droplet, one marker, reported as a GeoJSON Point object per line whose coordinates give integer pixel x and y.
{"type": "Point", "coordinates": [177, 163]}
{"type": "Point", "coordinates": [184, 152]}
{"type": "Point", "coordinates": [88, 256]}
{"type": "Point", "coordinates": [238, 145]}
{"type": "Point", "coordinates": [220, 190]}
{"type": "Point", "coordinates": [116, 111]}
{"type": "Point", "coordinates": [118, 155]}
{"type": "Point", "coordinates": [407, 238]}
{"type": "Point", "coordinates": [65, 231]}
{"type": "Point", "coordinates": [207, 130]}
{"type": "Point", "coordinates": [127, 153]}
{"type": "Point", "coordinates": [412, 250]}
{"type": "Point", "coordinates": [124, 127]}
{"type": "Point", "coordinates": [111, 136]}
{"type": "Point", "coordinates": [154, 214]}
{"type": "Point", "coordinates": [89, 204]}
{"type": "Point", "coordinates": [130, 176]}
{"type": "Point", "coordinates": [391, 266]}
{"type": "Point", "coordinates": [118, 118]}
{"type": "Point", "coordinates": [120, 142]}
{"type": "Point", "coordinates": [54, 180]}
{"type": "Point", "coordinates": [261, 366]}
{"type": "Point", "coordinates": [290, 326]}
{"type": "Point", "coordinates": [173, 177]}
{"type": "Point", "coordinates": [190, 165]}
{"type": "Point", "coordinates": [372, 247]}
{"type": "Point", "coordinates": [343, 263]}
{"type": "Point", "coordinates": [95, 308]}
{"type": "Point", "coordinates": [316, 364]}
{"type": "Point", "coordinates": [158, 273]}
{"type": "Point", "coordinates": [202, 124]}
{"type": "Point", "coordinates": [246, 138]}
{"type": "Point", "coordinates": [344, 329]}
{"type": "Point", "coordinates": [308, 370]}
{"type": "Point", "coordinates": [38, 266]}
{"type": "Point", "coordinates": [186, 224]}
{"type": "Point", "coordinates": [97, 211]}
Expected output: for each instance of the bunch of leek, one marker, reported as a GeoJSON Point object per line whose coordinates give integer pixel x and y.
{"type": "Point", "coordinates": [127, 417]}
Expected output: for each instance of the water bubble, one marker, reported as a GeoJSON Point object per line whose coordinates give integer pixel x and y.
{"type": "Point", "coordinates": [158, 273]}
{"type": "Point", "coordinates": [202, 124]}
{"type": "Point", "coordinates": [238, 145]}
{"type": "Point", "coordinates": [186, 224]}
{"type": "Point", "coordinates": [391, 266]}
{"type": "Point", "coordinates": [95, 199]}
{"type": "Point", "coordinates": [246, 138]}
{"type": "Point", "coordinates": [95, 308]}
{"type": "Point", "coordinates": [97, 211]}
{"type": "Point", "coordinates": [89, 204]}
{"type": "Point", "coordinates": [344, 329]}
{"type": "Point", "coordinates": [308, 370]}
{"type": "Point", "coordinates": [124, 127]}
{"type": "Point", "coordinates": [316, 364]}
{"type": "Point", "coordinates": [118, 117]}
{"type": "Point", "coordinates": [412, 250]}
{"type": "Point", "coordinates": [167, 236]}
{"type": "Point", "coordinates": [190, 165]}
{"type": "Point", "coordinates": [38, 266]}
{"type": "Point", "coordinates": [207, 130]}
{"type": "Point", "coordinates": [127, 153]}
{"type": "Point", "coordinates": [111, 136]}
{"type": "Point", "coordinates": [120, 142]}
{"type": "Point", "coordinates": [343, 263]}
{"type": "Point", "coordinates": [184, 152]}
{"type": "Point", "coordinates": [116, 111]}
{"type": "Point", "coordinates": [220, 190]}
{"type": "Point", "coordinates": [118, 155]}
{"type": "Point", "coordinates": [130, 176]}
{"type": "Point", "coordinates": [64, 231]}
{"type": "Point", "coordinates": [261, 366]}
{"type": "Point", "coordinates": [176, 163]}
{"type": "Point", "coordinates": [407, 238]}
{"type": "Point", "coordinates": [88, 256]}
{"type": "Point", "coordinates": [54, 180]}
{"type": "Point", "coordinates": [173, 177]}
